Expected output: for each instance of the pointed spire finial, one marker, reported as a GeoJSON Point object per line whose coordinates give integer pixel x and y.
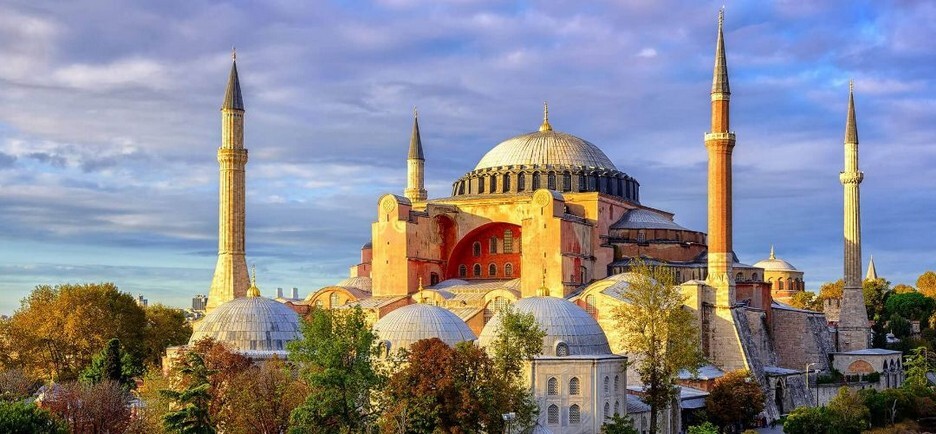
{"type": "Point", "coordinates": [772, 256]}
{"type": "Point", "coordinates": [415, 144]}
{"type": "Point", "coordinates": [415, 112]}
{"type": "Point", "coordinates": [545, 126]}
{"type": "Point", "coordinates": [720, 78]}
{"type": "Point", "coordinates": [233, 53]}
{"type": "Point", "coordinates": [253, 291]}
{"type": "Point", "coordinates": [851, 126]}
{"type": "Point", "coordinates": [233, 99]}
{"type": "Point", "coordinates": [872, 270]}
{"type": "Point", "coordinates": [420, 283]}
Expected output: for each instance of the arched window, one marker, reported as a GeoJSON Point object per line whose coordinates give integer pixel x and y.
{"type": "Point", "coordinates": [476, 248]}
{"type": "Point", "coordinates": [462, 271]}
{"type": "Point", "coordinates": [566, 181]}
{"type": "Point", "coordinates": [480, 185]}
{"type": "Point", "coordinates": [593, 182]}
{"type": "Point", "coordinates": [562, 349]}
{"type": "Point", "coordinates": [492, 245]}
{"type": "Point", "coordinates": [552, 386]}
{"type": "Point", "coordinates": [616, 408]}
{"type": "Point", "coordinates": [476, 270]}
{"type": "Point", "coordinates": [461, 187]}
{"type": "Point", "coordinates": [607, 410]}
{"type": "Point", "coordinates": [508, 270]}
{"type": "Point", "coordinates": [617, 387]}
{"type": "Point", "coordinates": [581, 182]}
{"type": "Point", "coordinates": [678, 276]}
{"type": "Point", "coordinates": [500, 303]}
{"type": "Point", "coordinates": [738, 277]}
{"type": "Point", "coordinates": [333, 300]}
{"type": "Point", "coordinates": [575, 414]}
{"type": "Point", "coordinates": [536, 180]}
{"type": "Point", "coordinates": [319, 304]}
{"type": "Point", "coordinates": [492, 270]}
{"type": "Point", "coordinates": [574, 386]}
{"type": "Point", "coordinates": [505, 187]}
{"type": "Point", "coordinates": [552, 414]}
{"type": "Point", "coordinates": [607, 386]}
{"type": "Point", "coordinates": [521, 181]}
{"type": "Point", "coordinates": [551, 181]}
{"type": "Point", "coordinates": [508, 241]}
{"type": "Point", "coordinates": [754, 277]}
{"type": "Point", "coordinates": [433, 278]}
{"type": "Point", "coordinates": [780, 283]}
{"type": "Point", "coordinates": [590, 305]}
{"type": "Point", "coordinates": [493, 188]}
{"type": "Point", "coordinates": [641, 236]}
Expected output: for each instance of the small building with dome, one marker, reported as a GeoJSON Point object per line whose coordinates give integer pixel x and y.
{"type": "Point", "coordinates": [405, 326]}
{"type": "Point", "coordinates": [784, 279]}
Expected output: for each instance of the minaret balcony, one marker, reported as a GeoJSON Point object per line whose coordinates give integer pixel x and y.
{"type": "Point", "coordinates": [719, 136]}
{"type": "Point", "coordinates": [851, 177]}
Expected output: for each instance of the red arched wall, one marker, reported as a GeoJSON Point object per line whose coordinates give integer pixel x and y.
{"type": "Point", "coordinates": [463, 253]}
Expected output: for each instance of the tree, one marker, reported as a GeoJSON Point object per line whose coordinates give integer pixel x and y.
{"type": "Point", "coordinates": [912, 306]}
{"type": "Point", "coordinates": [658, 332]}
{"type": "Point", "coordinates": [165, 327]}
{"type": "Point", "coordinates": [618, 424]}
{"type": "Point", "coordinates": [91, 408]}
{"type": "Point", "coordinates": [808, 420]}
{"type": "Point", "coordinates": [57, 330]}
{"type": "Point", "coordinates": [336, 354]}
{"type": "Point", "coordinates": [25, 418]}
{"type": "Point", "coordinates": [832, 290]}
{"type": "Point", "coordinates": [899, 326]}
{"type": "Point", "coordinates": [193, 399]}
{"type": "Point", "coordinates": [876, 293]}
{"type": "Point", "coordinates": [261, 398]}
{"type": "Point", "coordinates": [224, 366]}
{"type": "Point", "coordinates": [734, 401]}
{"type": "Point", "coordinates": [926, 284]}
{"type": "Point", "coordinates": [901, 288]}
{"type": "Point", "coordinates": [16, 385]}
{"type": "Point", "coordinates": [917, 364]}
{"type": "Point", "coordinates": [517, 339]}
{"type": "Point", "coordinates": [848, 413]}
{"type": "Point", "coordinates": [704, 428]}
{"type": "Point", "coordinates": [806, 300]}
{"type": "Point", "coordinates": [112, 364]}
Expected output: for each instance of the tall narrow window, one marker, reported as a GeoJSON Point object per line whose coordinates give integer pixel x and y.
{"type": "Point", "coordinates": [575, 414]}
{"type": "Point", "coordinates": [574, 386]}
{"type": "Point", "coordinates": [521, 181]}
{"type": "Point", "coordinates": [333, 300]}
{"type": "Point", "coordinates": [590, 305]}
{"type": "Point", "coordinates": [433, 278]}
{"type": "Point", "coordinates": [552, 414]}
{"type": "Point", "coordinates": [476, 248]}
{"type": "Point", "coordinates": [480, 185]}
{"type": "Point", "coordinates": [508, 270]}
{"type": "Point", "coordinates": [476, 270]}
{"type": "Point", "coordinates": [617, 385]}
{"type": "Point", "coordinates": [536, 180]}
{"type": "Point", "coordinates": [552, 386]}
{"type": "Point", "coordinates": [607, 386]}
{"type": "Point", "coordinates": [607, 410]}
{"type": "Point", "coordinates": [617, 408]}
{"type": "Point", "coordinates": [462, 271]}
{"type": "Point", "coordinates": [492, 270]}
{"type": "Point", "coordinates": [492, 245]}
{"type": "Point", "coordinates": [493, 188]}
{"type": "Point", "coordinates": [508, 241]}
{"type": "Point", "coordinates": [581, 182]}
{"type": "Point", "coordinates": [780, 282]}
{"type": "Point", "coordinates": [551, 181]}
{"type": "Point", "coordinates": [505, 186]}
{"type": "Point", "coordinates": [566, 181]}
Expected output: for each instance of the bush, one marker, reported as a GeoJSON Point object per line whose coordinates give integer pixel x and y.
{"type": "Point", "coordinates": [705, 428]}
{"type": "Point", "coordinates": [808, 420]}
{"type": "Point", "coordinates": [26, 418]}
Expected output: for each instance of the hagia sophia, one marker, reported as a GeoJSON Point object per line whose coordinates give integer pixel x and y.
{"type": "Point", "coordinates": [546, 222]}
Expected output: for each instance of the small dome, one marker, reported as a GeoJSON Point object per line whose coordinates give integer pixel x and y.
{"type": "Point", "coordinates": [547, 147]}
{"type": "Point", "coordinates": [408, 324]}
{"type": "Point", "coordinates": [249, 324]}
{"type": "Point", "coordinates": [640, 218]}
{"type": "Point", "coordinates": [773, 263]}
{"type": "Point", "coordinates": [564, 323]}
{"type": "Point", "coordinates": [362, 283]}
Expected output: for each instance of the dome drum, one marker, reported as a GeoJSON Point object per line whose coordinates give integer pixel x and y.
{"type": "Point", "coordinates": [527, 178]}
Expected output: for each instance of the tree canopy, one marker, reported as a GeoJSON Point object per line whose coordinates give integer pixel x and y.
{"type": "Point", "coordinates": [658, 332]}
{"type": "Point", "coordinates": [734, 401]}
{"type": "Point", "coordinates": [926, 284]}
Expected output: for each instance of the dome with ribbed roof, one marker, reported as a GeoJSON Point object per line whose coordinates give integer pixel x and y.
{"type": "Point", "coordinates": [249, 324]}
{"type": "Point", "coordinates": [773, 263]}
{"type": "Point", "coordinates": [542, 148]}
{"type": "Point", "coordinates": [569, 329]}
{"type": "Point", "coordinates": [408, 324]}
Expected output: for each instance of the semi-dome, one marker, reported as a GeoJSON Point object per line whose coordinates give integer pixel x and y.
{"type": "Point", "coordinates": [543, 148]}
{"type": "Point", "coordinates": [570, 331]}
{"type": "Point", "coordinates": [773, 263]}
{"type": "Point", "coordinates": [408, 324]}
{"type": "Point", "coordinates": [249, 324]}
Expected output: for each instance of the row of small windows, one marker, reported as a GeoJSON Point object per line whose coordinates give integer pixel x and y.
{"type": "Point", "coordinates": [492, 270]}
{"type": "Point", "coordinates": [552, 385]}
{"type": "Point", "coordinates": [575, 414]}
{"type": "Point", "coordinates": [615, 185]}
{"type": "Point", "coordinates": [492, 244]}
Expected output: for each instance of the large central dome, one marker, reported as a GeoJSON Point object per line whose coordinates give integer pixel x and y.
{"type": "Point", "coordinates": [542, 148]}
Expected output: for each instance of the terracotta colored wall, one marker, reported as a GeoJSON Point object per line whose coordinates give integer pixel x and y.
{"type": "Point", "coordinates": [463, 253]}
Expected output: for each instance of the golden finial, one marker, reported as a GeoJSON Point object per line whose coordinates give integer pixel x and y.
{"type": "Point", "coordinates": [253, 291]}
{"type": "Point", "coordinates": [415, 112]}
{"type": "Point", "coordinates": [543, 291]}
{"type": "Point", "coordinates": [420, 283]}
{"type": "Point", "coordinates": [233, 53]}
{"type": "Point", "coordinates": [772, 256]}
{"type": "Point", "coordinates": [545, 126]}
{"type": "Point", "coordinates": [721, 16]}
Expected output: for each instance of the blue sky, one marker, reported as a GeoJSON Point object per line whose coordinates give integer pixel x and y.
{"type": "Point", "coordinates": [109, 124]}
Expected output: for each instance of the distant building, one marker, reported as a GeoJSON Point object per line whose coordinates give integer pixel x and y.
{"type": "Point", "coordinates": [141, 301]}
{"type": "Point", "coordinates": [199, 302]}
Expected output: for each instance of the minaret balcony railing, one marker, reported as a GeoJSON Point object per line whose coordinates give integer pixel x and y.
{"type": "Point", "coordinates": [719, 136]}
{"type": "Point", "coordinates": [851, 177]}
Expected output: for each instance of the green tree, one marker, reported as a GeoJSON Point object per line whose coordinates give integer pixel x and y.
{"type": "Point", "coordinates": [899, 326]}
{"type": "Point", "coordinates": [658, 332]}
{"type": "Point", "coordinates": [876, 293]}
{"type": "Point", "coordinates": [57, 330]}
{"type": "Point", "coordinates": [618, 424]}
{"type": "Point", "coordinates": [25, 418]}
{"type": "Point", "coordinates": [734, 401]}
{"type": "Point", "coordinates": [848, 413]}
{"type": "Point", "coordinates": [703, 428]}
{"type": "Point", "coordinates": [926, 284]}
{"type": "Point", "coordinates": [112, 364]}
{"type": "Point", "coordinates": [808, 420]}
{"type": "Point", "coordinates": [901, 288]}
{"type": "Point", "coordinates": [165, 327]}
{"type": "Point", "coordinates": [917, 364]}
{"type": "Point", "coordinates": [912, 306]}
{"type": "Point", "coordinates": [336, 354]}
{"type": "Point", "coordinates": [193, 399]}
{"type": "Point", "coordinates": [518, 338]}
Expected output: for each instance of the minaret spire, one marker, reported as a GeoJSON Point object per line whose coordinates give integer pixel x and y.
{"type": "Point", "coordinates": [720, 76]}
{"type": "Point", "coordinates": [872, 270]}
{"type": "Point", "coordinates": [415, 165]}
{"type": "Point", "coordinates": [853, 330]}
{"type": "Point", "coordinates": [230, 278]}
{"type": "Point", "coordinates": [545, 126]}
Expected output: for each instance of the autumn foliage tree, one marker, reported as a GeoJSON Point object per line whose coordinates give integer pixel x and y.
{"type": "Point", "coordinates": [90, 408]}
{"type": "Point", "coordinates": [734, 401]}
{"type": "Point", "coordinates": [165, 327]}
{"type": "Point", "coordinates": [658, 332]}
{"type": "Point", "coordinates": [926, 284]}
{"type": "Point", "coordinates": [260, 399]}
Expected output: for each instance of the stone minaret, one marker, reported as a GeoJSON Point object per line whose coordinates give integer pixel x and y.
{"type": "Point", "coordinates": [725, 348]}
{"type": "Point", "coordinates": [231, 279]}
{"type": "Point", "coordinates": [853, 330]}
{"type": "Point", "coordinates": [415, 165]}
